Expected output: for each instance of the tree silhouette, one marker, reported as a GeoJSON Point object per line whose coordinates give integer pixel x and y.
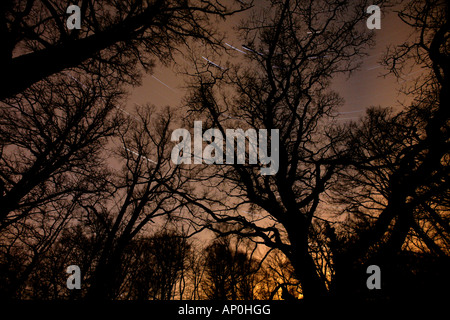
{"type": "Point", "coordinates": [59, 109]}
{"type": "Point", "coordinates": [50, 164]}
{"type": "Point", "coordinates": [114, 38]}
{"type": "Point", "coordinates": [85, 182]}
{"type": "Point", "coordinates": [230, 272]}
{"type": "Point", "coordinates": [398, 181]}
{"type": "Point", "coordinates": [294, 50]}
{"type": "Point", "coordinates": [142, 193]}
{"type": "Point", "coordinates": [51, 141]}
{"type": "Point", "coordinates": [156, 266]}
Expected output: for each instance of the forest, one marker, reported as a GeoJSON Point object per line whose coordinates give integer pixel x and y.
{"type": "Point", "coordinates": [87, 178]}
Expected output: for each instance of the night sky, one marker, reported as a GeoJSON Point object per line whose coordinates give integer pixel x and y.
{"type": "Point", "coordinates": [366, 87]}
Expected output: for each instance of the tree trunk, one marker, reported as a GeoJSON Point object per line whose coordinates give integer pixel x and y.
{"type": "Point", "coordinates": [71, 53]}
{"type": "Point", "coordinates": [313, 287]}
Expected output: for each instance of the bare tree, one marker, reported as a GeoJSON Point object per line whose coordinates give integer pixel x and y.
{"type": "Point", "coordinates": [230, 272]}
{"type": "Point", "coordinates": [278, 279]}
{"type": "Point", "coordinates": [142, 194]}
{"type": "Point", "coordinates": [194, 275]}
{"type": "Point", "coordinates": [51, 138]}
{"type": "Point", "coordinates": [398, 183]}
{"type": "Point", "coordinates": [35, 252]}
{"type": "Point", "coordinates": [59, 109]}
{"type": "Point", "coordinates": [157, 265]}
{"type": "Point", "coordinates": [294, 49]}
{"type": "Point", "coordinates": [114, 38]}
{"type": "Point", "coordinates": [50, 164]}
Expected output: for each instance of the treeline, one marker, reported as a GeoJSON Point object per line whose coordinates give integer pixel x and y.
{"type": "Point", "coordinates": [85, 181]}
{"type": "Point", "coordinates": [164, 266]}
